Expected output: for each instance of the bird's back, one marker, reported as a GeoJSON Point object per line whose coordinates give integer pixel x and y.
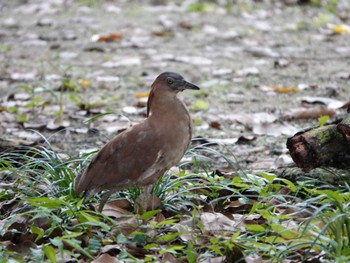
{"type": "Point", "coordinates": [121, 161]}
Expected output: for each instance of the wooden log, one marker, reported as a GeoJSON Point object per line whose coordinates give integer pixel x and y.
{"type": "Point", "coordinates": [322, 146]}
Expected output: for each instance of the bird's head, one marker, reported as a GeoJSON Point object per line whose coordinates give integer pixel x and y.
{"type": "Point", "coordinates": [173, 81]}
{"type": "Point", "coordinates": [168, 84]}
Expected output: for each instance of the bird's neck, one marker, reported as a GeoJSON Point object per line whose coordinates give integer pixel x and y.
{"type": "Point", "coordinates": [166, 105]}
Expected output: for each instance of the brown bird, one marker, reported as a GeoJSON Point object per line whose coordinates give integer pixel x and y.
{"type": "Point", "coordinates": [140, 155]}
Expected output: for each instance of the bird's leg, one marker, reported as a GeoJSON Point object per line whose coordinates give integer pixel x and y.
{"type": "Point", "coordinates": [148, 189]}
{"type": "Point", "coordinates": [103, 200]}
{"type": "Point", "coordinates": [144, 201]}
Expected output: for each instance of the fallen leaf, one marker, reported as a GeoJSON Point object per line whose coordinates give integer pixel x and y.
{"type": "Point", "coordinates": [107, 38]}
{"type": "Point", "coordinates": [230, 141]}
{"type": "Point", "coordinates": [215, 124]}
{"type": "Point", "coordinates": [254, 258]}
{"type": "Point", "coordinates": [341, 29]}
{"type": "Point", "coordinates": [330, 103]}
{"type": "Point", "coordinates": [23, 76]}
{"type": "Point", "coordinates": [106, 258]}
{"type": "Point", "coordinates": [107, 78]}
{"type": "Point", "coordinates": [19, 96]}
{"type": "Point", "coordinates": [274, 129]}
{"type": "Point", "coordinates": [82, 130]}
{"type": "Point", "coordinates": [309, 113]}
{"type": "Point", "coordinates": [147, 202]}
{"type": "Point", "coordinates": [36, 125]}
{"type": "Point", "coordinates": [281, 63]}
{"type": "Point", "coordinates": [122, 61]}
{"type": "Point", "coordinates": [215, 260]}
{"type": "Point", "coordinates": [142, 95]}
{"type": "Point", "coordinates": [263, 52]}
{"type": "Point", "coordinates": [112, 209]}
{"type": "Point", "coordinates": [185, 25]}
{"type": "Point", "coordinates": [229, 35]}
{"type": "Point", "coordinates": [199, 105]}
{"type": "Point", "coordinates": [169, 258]}
{"type": "Point", "coordinates": [343, 75]}
{"type": "Point", "coordinates": [284, 160]}
{"type": "Point", "coordinates": [68, 55]}
{"type": "Point", "coordinates": [163, 33]}
{"type": "Point", "coordinates": [23, 248]}
{"type": "Point", "coordinates": [27, 135]}
{"type": "Point", "coordinates": [113, 126]}
{"type": "Point", "coordinates": [218, 222]}
{"type": "Point", "coordinates": [286, 89]}
{"type": "Point", "coordinates": [222, 71]}
{"type": "Point", "coordinates": [142, 102]}
{"type": "Point", "coordinates": [45, 22]}
{"type": "Point", "coordinates": [57, 124]}
{"type": "Point", "coordinates": [84, 83]}
{"type": "Point", "coordinates": [198, 61]}
{"type": "Point", "coordinates": [130, 110]}
{"type": "Point", "coordinates": [248, 72]}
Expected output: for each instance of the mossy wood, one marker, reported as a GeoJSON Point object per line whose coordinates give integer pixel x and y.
{"type": "Point", "coordinates": [322, 146]}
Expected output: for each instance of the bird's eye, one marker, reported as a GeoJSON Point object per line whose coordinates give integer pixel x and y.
{"type": "Point", "coordinates": [169, 81]}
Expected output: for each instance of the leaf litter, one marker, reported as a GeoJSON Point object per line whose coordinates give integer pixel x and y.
{"type": "Point", "coordinates": [254, 95]}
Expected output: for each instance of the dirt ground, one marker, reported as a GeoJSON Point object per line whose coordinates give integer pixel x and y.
{"type": "Point", "coordinates": [255, 61]}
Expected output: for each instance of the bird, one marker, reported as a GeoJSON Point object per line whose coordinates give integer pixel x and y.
{"type": "Point", "coordinates": [141, 154]}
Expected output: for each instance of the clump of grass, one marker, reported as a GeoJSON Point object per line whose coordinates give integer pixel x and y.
{"type": "Point", "coordinates": [272, 218]}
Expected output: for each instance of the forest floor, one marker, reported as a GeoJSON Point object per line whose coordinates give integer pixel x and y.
{"type": "Point", "coordinates": [265, 70]}
{"type": "Point", "coordinates": [75, 73]}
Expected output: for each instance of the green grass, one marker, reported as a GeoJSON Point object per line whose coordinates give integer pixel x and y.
{"type": "Point", "coordinates": [262, 215]}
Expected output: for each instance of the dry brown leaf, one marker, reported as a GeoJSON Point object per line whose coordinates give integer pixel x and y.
{"type": "Point", "coordinates": [215, 124]}
{"type": "Point", "coordinates": [218, 222]}
{"type": "Point", "coordinates": [106, 258]}
{"type": "Point", "coordinates": [185, 25]}
{"type": "Point", "coordinates": [169, 258]}
{"type": "Point", "coordinates": [120, 203]}
{"type": "Point", "coordinates": [310, 113]}
{"type": "Point", "coordinates": [112, 209]}
{"type": "Point", "coordinates": [185, 227]}
{"type": "Point", "coordinates": [107, 38]}
{"type": "Point", "coordinates": [147, 202]}
{"type": "Point", "coordinates": [22, 248]}
{"type": "Point", "coordinates": [162, 33]}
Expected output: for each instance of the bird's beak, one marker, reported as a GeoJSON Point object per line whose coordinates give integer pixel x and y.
{"type": "Point", "coordinates": [187, 85]}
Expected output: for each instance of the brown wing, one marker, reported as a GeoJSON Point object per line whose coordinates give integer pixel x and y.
{"type": "Point", "coordinates": [122, 161]}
